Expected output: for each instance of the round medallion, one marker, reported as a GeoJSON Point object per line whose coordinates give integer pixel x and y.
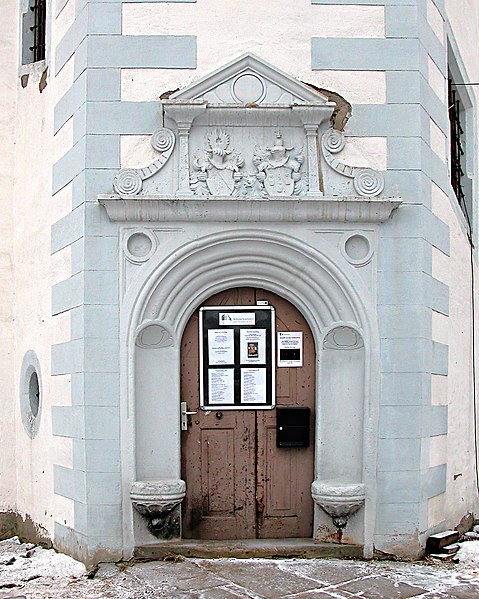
{"type": "Point", "coordinates": [248, 89]}
{"type": "Point", "coordinates": [139, 246]}
{"type": "Point", "coordinates": [357, 249]}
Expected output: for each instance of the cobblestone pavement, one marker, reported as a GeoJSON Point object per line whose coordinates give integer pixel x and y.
{"type": "Point", "coordinates": [31, 572]}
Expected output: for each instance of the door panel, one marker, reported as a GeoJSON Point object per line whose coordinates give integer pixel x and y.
{"type": "Point", "coordinates": [217, 453]}
{"type": "Point", "coordinates": [286, 474]}
{"type": "Point", "coordinates": [239, 485]}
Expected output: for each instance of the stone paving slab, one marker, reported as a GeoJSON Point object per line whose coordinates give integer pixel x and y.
{"type": "Point", "coordinates": [28, 572]}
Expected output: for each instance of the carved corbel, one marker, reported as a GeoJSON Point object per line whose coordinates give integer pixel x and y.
{"type": "Point", "coordinates": [159, 503]}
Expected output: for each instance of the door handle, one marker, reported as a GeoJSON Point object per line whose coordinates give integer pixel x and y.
{"type": "Point", "coordinates": [184, 416]}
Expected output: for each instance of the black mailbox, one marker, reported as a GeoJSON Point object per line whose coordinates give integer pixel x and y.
{"type": "Point", "coordinates": [292, 427]}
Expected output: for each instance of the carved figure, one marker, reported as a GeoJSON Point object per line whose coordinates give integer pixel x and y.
{"type": "Point", "coordinates": [248, 185]}
{"type": "Point", "coordinates": [216, 167]}
{"type": "Point", "coordinates": [279, 169]}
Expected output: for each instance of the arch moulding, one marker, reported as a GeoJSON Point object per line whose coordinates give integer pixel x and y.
{"type": "Point", "coordinates": [172, 285]}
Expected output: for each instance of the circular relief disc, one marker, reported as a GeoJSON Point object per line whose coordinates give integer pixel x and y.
{"type": "Point", "coordinates": [357, 249]}
{"type": "Point", "coordinates": [248, 88]}
{"type": "Point", "coordinates": [139, 246]}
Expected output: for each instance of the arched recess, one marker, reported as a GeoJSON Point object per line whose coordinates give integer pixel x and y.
{"type": "Point", "coordinates": [156, 310]}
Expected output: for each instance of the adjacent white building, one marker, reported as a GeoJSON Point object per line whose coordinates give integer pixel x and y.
{"type": "Point", "coordinates": [163, 156]}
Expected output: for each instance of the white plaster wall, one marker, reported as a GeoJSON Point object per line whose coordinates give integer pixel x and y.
{"type": "Point", "coordinates": [456, 390]}
{"type": "Point", "coordinates": [435, 20]}
{"type": "Point", "coordinates": [281, 34]}
{"type": "Point", "coordinates": [8, 75]}
{"type": "Point", "coordinates": [436, 80]}
{"type": "Point", "coordinates": [463, 18]}
{"type": "Point", "coordinates": [298, 22]}
{"type": "Point", "coordinates": [438, 140]}
{"type": "Point", "coordinates": [358, 87]}
{"type": "Point", "coordinates": [34, 211]}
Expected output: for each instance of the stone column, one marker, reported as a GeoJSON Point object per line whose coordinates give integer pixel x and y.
{"type": "Point", "coordinates": [312, 115]}
{"type": "Point", "coordinates": [184, 113]}
{"type": "Point", "coordinates": [313, 165]}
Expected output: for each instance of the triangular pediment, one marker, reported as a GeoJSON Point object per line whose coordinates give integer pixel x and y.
{"type": "Point", "coordinates": [249, 80]}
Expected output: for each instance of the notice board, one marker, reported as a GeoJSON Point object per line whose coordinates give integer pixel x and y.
{"type": "Point", "coordinates": [237, 357]}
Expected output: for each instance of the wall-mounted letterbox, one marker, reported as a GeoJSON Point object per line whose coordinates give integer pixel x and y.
{"type": "Point", "coordinates": [292, 427]}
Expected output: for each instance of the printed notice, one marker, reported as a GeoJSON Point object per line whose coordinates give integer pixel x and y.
{"type": "Point", "coordinates": [253, 346]}
{"type": "Point", "coordinates": [221, 386]}
{"type": "Point", "coordinates": [220, 346]}
{"type": "Point", "coordinates": [290, 349]}
{"type": "Point", "coordinates": [253, 385]}
{"type": "Point", "coordinates": [237, 318]}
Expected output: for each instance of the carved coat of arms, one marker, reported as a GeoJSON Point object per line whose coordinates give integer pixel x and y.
{"type": "Point", "coordinates": [279, 168]}
{"type": "Point", "coordinates": [216, 167]}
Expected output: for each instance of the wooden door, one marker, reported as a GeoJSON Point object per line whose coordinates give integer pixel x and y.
{"type": "Point", "coordinates": [239, 485]}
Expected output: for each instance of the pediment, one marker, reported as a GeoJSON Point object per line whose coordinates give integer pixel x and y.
{"type": "Point", "coordinates": [249, 80]}
{"type": "Point", "coordinates": [248, 131]}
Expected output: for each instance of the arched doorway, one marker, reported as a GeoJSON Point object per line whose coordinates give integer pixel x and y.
{"type": "Point", "coordinates": [239, 484]}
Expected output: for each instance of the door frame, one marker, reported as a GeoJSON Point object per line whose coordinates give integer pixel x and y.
{"type": "Point", "coordinates": [173, 284]}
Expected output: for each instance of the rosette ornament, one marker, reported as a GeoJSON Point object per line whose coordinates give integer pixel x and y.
{"type": "Point", "coordinates": [367, 182]}
{"type": "Point", "coordinates": [128, 182]}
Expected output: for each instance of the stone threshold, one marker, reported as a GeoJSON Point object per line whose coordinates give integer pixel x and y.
{"type": "Point", "coordinates": [248, 548]}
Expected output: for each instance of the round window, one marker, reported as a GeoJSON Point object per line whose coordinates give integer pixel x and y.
{"type": "Point", "coordinates": [30, 393]}
{"type": "Point", "coordinates": [34, 394]}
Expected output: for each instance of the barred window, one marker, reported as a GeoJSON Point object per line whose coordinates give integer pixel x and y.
{"type": "Point", "coordinates": [33, 30]}
{"type": "Point", "coordinates": [460, 181]}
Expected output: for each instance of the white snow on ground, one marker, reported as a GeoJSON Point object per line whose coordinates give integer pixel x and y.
{"type": "Point", "coordinates": [22, 563]}
{"type": "Point", "coordinates": [35, 573]}
{"type": "Point", "coordinates": [468, 558]}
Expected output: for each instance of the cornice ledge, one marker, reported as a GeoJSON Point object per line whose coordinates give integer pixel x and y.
{"type": "Point", "coordinates": [154, 208]}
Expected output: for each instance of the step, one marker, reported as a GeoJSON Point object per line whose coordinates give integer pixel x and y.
{"type": "Point", "coordinates": [436, 542]}
{"type": "Point", "coordinates": [451, 549]}
{"type": "Point", "coordinates": [266, 548]}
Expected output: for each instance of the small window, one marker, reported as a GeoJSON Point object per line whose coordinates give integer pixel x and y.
{"type": "Point", "coordinates": [30, 393]}
{"type": "Point", "coordinates": [461, 139]}
{"type": "Point", "coordinates": [34, 31]}
{"type": "Point", "coordinates": [457, 143]}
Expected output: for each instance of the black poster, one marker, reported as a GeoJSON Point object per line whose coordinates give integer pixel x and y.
{"type": "Point", "coordinates": [237, 354]}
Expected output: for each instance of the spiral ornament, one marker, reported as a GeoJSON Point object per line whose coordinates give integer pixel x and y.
{"type": "Point", "coordinates": [333, 141]}
{"type": "Point", "coordinates": [162, 140]}
{"type": "Point", "coordinates": [368, 182]}
{"type": "Point", "coordinates": [127, 182]}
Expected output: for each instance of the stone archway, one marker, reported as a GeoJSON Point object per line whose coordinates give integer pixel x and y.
{"type": "Point", "coordinates": [156, 311]}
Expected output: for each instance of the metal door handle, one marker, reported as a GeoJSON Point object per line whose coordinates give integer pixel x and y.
{"type": "Point", "coordinates": [184, 416]}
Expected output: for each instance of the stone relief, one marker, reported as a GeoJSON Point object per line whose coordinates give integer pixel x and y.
{"type": "Point", "coordinates": [129, 181]}
{"type": "Point", "coordinates": [279, 169]}
{"type": "Point", "coordinates": [237, 111]}
{"type": "Point", "coordinates": [343, 338]}
{"type": "Point", "coordinates": [367, 182]}
{"type": "Point", "coordinates": [154, 336]}
{"type": "Point", "coordinates": [216, 168]}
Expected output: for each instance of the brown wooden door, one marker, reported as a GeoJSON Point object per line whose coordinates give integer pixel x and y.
{"type": "Point", "coordinates": [239, 485]}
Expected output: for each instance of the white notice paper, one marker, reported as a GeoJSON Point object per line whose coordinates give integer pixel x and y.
{"type": "Point", "coordinates": [290, 349]}
{"type": "Point", "coordinates": [221, 385]}
{"type": "Point", "coordinates": [253, 346]}
{"type": "Point", "coordinates": [253, 385]}
{"type": "Point", "coordinates": [220, 346]}
{"type": "Point", "coordinates": [237, 318]}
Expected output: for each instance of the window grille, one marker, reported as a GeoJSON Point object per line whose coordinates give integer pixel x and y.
{"type": "Point", "coordinates": [457, 140]}
{"type": "Point", "coordinates": [39, 10]}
